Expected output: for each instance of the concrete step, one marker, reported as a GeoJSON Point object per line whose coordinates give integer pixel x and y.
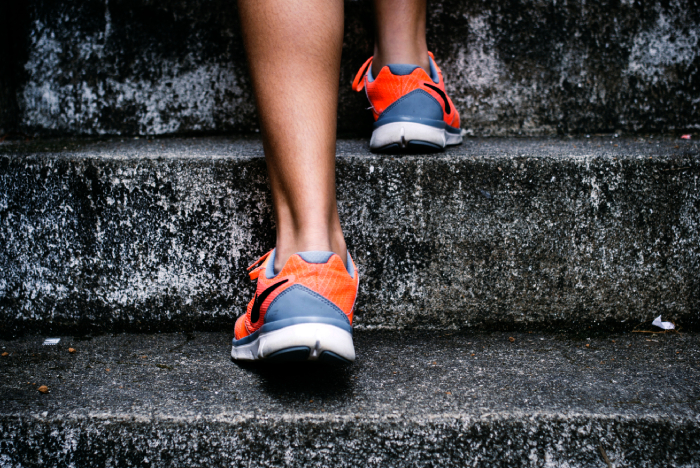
{"type": "Point", "coordinates": [411, 399]}
{"type": "Point", "coordinates": [513, 67]}
{"type": "Point", "coordinates": [503, 233]}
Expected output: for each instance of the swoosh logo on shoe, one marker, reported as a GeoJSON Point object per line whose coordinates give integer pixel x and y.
{"type": "Point", "coordinates": [255, 313]}
{"type": "Point", "coordinates": [442, 94]}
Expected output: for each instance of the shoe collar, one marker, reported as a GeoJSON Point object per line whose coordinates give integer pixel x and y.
{"type": "Point", "coordinates": [312, 256]}
{"type": "Point", "coordinates": [402, 67]}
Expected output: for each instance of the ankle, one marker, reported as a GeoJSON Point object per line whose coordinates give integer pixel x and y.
{"type": "Point", "coordinates": [287, 247]}
{"type": "Point", "coordinates": [412, 56]}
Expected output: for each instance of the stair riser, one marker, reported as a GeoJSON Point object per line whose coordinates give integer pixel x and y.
{"type": "Point", "coordinates": [513, 67]}
{"type": "Point", "coordinates": [506, 242]}
{"type": "Point", "coordinates": [302, 441]}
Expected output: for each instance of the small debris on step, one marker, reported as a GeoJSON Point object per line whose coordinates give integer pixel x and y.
{"type": "Point", "coordinates": [685, 137]}
{"type": "Point", "coordinates": [51, 341]}
{"type": "Point", "coordinates": [588, 345]}
{"type": "Point", "coordinates": [605, 456]}
{"type": "Point", "coordinates": [71, 350]}
{"type": "Point", "coordinates": [485, 194]}
{"type": "Point", "coordinates": [43, 389]}
{"type": "Point", "coordinates": [5, 354]}
{"type": "Point", "coordinates": [664, 325]}
{"type": "Point", "coordinates": [511, 339]}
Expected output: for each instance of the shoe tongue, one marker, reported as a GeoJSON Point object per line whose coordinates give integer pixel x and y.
{"type": "Point", "coordinates": [401, 69]}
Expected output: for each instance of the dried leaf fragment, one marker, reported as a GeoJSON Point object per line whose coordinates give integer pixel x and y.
{"type": "Point", "coordinates": [5, 354]}
{"type": "Point", "coordinates": [43, 389]}
{"type": "Point", "coordinates": [71, 350]}
{"type": "Point", "coordinates": [511, 339]}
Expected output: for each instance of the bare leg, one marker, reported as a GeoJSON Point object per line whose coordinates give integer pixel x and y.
{"type": "Point", "coordinates": [400, 33]}
{"type": "Point", "coordinates": [294, 49]}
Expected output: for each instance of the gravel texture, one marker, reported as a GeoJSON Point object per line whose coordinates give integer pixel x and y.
{"type": "Point", "coordinates": [411, 399]}
{"type": "Point", "coordinates": [506, 233]}
{"type": "Point", "coordinates": [513, 67]}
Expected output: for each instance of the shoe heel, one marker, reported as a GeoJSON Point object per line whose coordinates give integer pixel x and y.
{"type": "Point", "coordinates": [302, 342]}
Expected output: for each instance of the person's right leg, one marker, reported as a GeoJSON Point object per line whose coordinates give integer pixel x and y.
{"type": "Point", "coordinates": [293, 49]}
{"type": "Point", "coordinates": [303, 305]}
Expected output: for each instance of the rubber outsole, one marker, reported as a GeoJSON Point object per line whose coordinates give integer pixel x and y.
{"type": "Point", "coordinates": [301, 342]}
{"type": "Point", "coordinates": [303, 353]}
{"type": "Point", "coordinates": [412, 137]}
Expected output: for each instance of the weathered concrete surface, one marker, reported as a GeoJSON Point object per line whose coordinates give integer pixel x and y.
{"type": "Point", "coordinates": [505, 233]}
{"type": "Point", "coordinates": [514, 67]}
{"type": "Point", "coordinates": [411, 399]}
{"type": "Point", "coordinates": [14, 50]}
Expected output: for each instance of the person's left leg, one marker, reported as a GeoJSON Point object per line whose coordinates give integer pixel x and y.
{"type": "Point", "coordinates": [412, 111]}
{"type": "Point", "coordinates": [399, 34]}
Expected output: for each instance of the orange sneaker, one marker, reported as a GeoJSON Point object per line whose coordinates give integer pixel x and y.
{"type": "Point", "coordinates": [304, 312]}
{"type": "Point", "coordinates": [411, 109]}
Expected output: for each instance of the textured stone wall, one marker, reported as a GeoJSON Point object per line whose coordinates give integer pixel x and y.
{"type": "Point", "coordinates": [514, 67]}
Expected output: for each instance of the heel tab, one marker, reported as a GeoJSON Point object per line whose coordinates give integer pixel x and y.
{"type": "Point", "coordinates": [322, 257]}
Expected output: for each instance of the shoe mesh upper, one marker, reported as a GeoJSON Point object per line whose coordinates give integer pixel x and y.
{"type": "Point", "coordinates": [387, 88]}
{"type": "Point", "coordinates": [331, 280]}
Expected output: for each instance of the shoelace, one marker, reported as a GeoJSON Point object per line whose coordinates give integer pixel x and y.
{"type": "Point", "coordinates": [256, 272]}
{"type": "Point", "coordinates": [359, 82]}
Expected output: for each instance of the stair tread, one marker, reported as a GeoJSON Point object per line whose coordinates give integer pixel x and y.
{"type": "Point", "coordinates": [245, 147]}
{"type": "Point", "coordinates": [411, 399]}
{"type": "Point", "coordinates": [417, 375]}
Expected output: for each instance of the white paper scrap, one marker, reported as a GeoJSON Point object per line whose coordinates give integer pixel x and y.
{"type": "Point", "coordinates": [51, 341]}
{"type": "Point", "coordinates": [665, 325]}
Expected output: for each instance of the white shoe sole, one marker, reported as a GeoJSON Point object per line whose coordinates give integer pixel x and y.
{"type": "Point", "coordinates": [319, 338]}
{"type": "Point", "coordinates": [403, 133]}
